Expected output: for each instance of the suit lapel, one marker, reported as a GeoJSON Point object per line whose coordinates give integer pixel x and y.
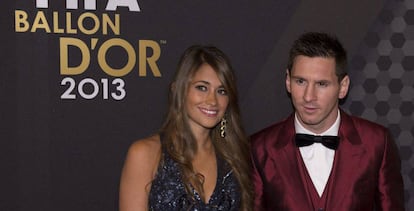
{"type": "Point", "coordinates": [285, 154]}
{"type": "Point", "coordinates": [347, 158]}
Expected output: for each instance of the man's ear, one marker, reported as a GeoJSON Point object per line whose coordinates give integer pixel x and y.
{"type": "Point", "coordinates": [287, 81]}
{"type": "Point", "coordinates": [344, 87]}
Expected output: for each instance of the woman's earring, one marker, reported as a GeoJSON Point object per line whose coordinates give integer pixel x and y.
{"type": "Point", "coordinates": [223, 124]}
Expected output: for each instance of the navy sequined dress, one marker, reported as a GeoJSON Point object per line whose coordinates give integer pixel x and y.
{"type": "Point", "coordinates": [168, 192]}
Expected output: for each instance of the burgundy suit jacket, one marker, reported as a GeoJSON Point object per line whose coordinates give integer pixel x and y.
{"type": "Point", "coordinates": [366, 173]}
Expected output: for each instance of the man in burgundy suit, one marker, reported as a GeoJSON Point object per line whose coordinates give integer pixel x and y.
{"type": "Point", "coordinates": [320, 158]}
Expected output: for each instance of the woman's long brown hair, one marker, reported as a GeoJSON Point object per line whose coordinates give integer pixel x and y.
{"type": "Point", "coordinates": [179, 140]}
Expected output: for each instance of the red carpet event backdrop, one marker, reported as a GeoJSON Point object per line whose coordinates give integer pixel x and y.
{"type": "Point", "coordinates": [81, 80]}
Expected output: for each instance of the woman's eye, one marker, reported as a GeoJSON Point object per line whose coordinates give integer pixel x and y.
{"type": "Point", "coordinates": [201, 88]}
{"type": "Point", "coordinates": [222, 91]}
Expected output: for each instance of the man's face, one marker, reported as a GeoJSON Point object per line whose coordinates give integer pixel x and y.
{"type": "Point", "coordinates": [315, 91]}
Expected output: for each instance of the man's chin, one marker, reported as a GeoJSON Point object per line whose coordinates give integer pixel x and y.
{"type": "Point", "coordinates": [309, 121]}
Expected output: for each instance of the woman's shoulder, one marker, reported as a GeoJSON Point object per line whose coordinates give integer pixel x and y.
{"type": "Point", "coordinates": [146, 151]}
{"type": "Point", "coordinates": [147, 145]}
{"type": "Point", "coordinates": [139, 169]}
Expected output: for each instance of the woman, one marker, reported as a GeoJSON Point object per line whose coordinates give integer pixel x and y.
{"type": "Point", "coordinates": [200, 159]}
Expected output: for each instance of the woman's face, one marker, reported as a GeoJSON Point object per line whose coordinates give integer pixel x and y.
{"type": "Point", "coordinates": [207, 99]}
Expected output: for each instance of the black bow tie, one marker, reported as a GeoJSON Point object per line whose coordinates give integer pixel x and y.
{"type": "Point", "coordinates": [302, 140]}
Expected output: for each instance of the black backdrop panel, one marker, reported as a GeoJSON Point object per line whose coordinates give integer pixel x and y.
{"type": "Point", "coordinates": [63, 147]}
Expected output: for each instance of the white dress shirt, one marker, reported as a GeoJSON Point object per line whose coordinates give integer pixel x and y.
{"type": "Point", "coordinates": [318, 159]}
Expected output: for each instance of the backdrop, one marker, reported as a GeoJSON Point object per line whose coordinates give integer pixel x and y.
{"type": "Point", "coordinates": [81, 80]}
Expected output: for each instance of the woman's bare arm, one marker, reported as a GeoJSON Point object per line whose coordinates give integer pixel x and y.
{"type": "Point", "coordinates": [139, 169]}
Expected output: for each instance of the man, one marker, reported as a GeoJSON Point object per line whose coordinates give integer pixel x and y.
{"type": "Point", "coordinates": [355, 167]}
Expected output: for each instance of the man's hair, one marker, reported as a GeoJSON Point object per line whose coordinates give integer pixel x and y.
{"type": "Point", "coordinates": [318, 44]}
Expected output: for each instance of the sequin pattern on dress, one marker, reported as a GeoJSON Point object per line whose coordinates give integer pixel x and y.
{"type": "Point", "coordinates": [168, 191]}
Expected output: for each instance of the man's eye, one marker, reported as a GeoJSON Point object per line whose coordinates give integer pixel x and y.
{"type": "Point", "coordinates": [323, 84]}
{"type": "Point", "coordinates": [300, 81]}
